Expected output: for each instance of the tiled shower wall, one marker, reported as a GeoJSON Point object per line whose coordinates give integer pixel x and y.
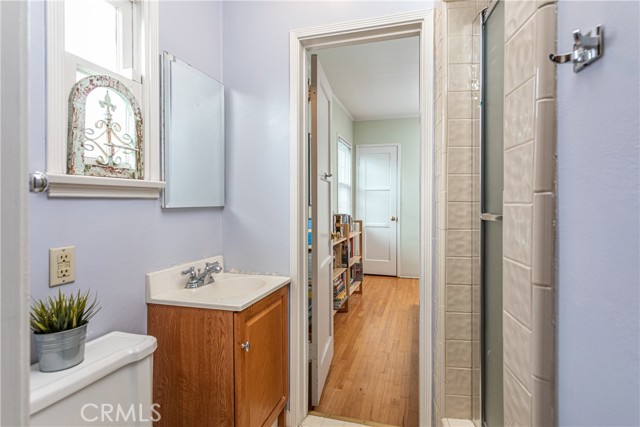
{"type": "Point", "coordinates": [456, 67]}
{"type": "Point", "coordinates": [529, 212]}
{"type": "Point", "coordinates": [529, 192]}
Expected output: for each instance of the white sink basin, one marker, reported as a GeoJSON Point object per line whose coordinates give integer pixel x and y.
{"type": "Point", "coordinates": [228, 288]}
{"type": "Point", "coordinates": [230, 291]}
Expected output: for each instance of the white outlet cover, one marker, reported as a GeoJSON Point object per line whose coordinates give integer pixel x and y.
{"type": "Point", "coordinates": [69, 274]}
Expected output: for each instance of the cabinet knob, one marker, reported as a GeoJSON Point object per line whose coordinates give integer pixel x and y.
{"type": "Point", "coordinates": [245, 346]}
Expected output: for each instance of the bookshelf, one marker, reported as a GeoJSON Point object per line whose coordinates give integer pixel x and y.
{"type": "Point", "coordinates": [347, 261]}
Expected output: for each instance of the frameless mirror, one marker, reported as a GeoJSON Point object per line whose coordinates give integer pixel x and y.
{"type": "Point", "coordinates": [192, 136]}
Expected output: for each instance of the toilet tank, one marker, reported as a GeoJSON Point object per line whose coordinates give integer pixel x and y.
{"type": "Point", "coordinates": [111, 387]}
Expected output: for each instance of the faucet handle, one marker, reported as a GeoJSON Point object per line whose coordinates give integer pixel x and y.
{"type": "Point", "coordinates": [212, 264]}
{"type": "Point", "coordinates": [191, 272]}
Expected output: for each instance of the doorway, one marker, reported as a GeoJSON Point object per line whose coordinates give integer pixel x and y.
{"type": "Point", "coordinates": [419, 24]}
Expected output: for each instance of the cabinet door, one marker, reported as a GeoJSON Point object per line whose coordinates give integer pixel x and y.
{"type": "Point", "coordinates": [261, 377]}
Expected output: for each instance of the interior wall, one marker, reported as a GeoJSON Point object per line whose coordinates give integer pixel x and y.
{"type": "Point", "coordinates": [256, 67]}
{"type": "Point", "coordinates": [599, 221]}
{"type": "Point", "coordinates": [405, 132]}
{"type": "Point", "coordinates": [119, 241]}
{"type": "Point", "coordinates": [341, 124]}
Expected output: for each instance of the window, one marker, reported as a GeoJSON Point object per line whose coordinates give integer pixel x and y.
{"type": "Point", "coordinates": [344, 177]}
{"type": "Point", "coordinates": [117, 41]}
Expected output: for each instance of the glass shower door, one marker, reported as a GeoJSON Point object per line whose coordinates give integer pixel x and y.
{"type": "Point", "coordinates": [489, 218]}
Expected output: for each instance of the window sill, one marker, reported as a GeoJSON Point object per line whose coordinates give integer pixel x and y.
{"type": "Point", "coordinates": [62, 185]}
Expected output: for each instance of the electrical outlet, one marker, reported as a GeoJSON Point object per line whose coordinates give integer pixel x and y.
{"type": "Point", "coordinates": [62, 265]}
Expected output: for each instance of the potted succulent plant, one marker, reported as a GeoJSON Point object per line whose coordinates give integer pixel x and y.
{"type": "Point", "coordinates": [59, 325]}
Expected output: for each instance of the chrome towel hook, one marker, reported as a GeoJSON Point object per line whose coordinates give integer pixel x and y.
{"type": "Point", "coordinates": [586, 49]}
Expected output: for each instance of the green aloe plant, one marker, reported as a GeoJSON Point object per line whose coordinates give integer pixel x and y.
{"type": "Point", "coordinates": [62, 312]}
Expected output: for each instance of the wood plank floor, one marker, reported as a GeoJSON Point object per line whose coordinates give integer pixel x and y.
{"type": "Point", "coordinates": [374, 373]}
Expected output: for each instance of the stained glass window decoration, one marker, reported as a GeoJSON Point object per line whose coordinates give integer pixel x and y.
{"type": "Point", "coordinates": [105, 135]}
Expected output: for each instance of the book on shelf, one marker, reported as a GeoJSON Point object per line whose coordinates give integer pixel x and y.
{"type": "Point", "coordinates": [357, 272]}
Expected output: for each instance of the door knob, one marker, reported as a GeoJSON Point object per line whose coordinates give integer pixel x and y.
{"type": "Point", "coordinates": [393, 218]}
{"type": "Point", "coordinates": [245, 346]}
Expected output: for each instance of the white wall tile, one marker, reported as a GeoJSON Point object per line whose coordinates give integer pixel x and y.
{"type": "Point", "coordinates": [517, 402]}
{"type": "Point", "coordinates": [460, 76]}
{"type": "Point", "coordinates": [545, 21]}
{"type": "Point", "coordinates": [460, 188]}
{"type": "Point", "coordinates": [458, 326]}
{"type": "Point", "coordinates": [459, 243]}
{"type": "Point", "coordinates": [460, 21]}
{"type": "Point", "coordinates": [542, 332]}
{"type": "Point", "coordinates": [460, 133]}
{"type": "Point", "coordinates": [458, 381]}
{"type": "Point", "coordinates": [459, 49]}
{"type": "Point", "coordinates": [518, 174]}
{"type": "Point", "coordinates": [519, 113]}
{"type": "Point", "coordinates": [459, 299]}
{"type": "Point", "coordinates": [458, 354]}
{"type": "Point", "coordinates": [457, 407]}
{"type": "Point", "coordinates": [542, 245]}
{"type": "Point", "coordinates": [542, 403]}
{"type": "Point", "coordinates": [519, 66]}
{"type": "Point", "coordinates": [517, 349]}
{"type": "Point", "coordinates": [545, 147]}
{"type": "Point", "coordinates": [517, 291]}
{"type": "Point", "coordinates": [517, 233]}
{"type": "Point", "coordinates": [459, 215]}
{"type": "Point", "coordinates": [459, 105]}
{"type": "Point", "coordinates": [460, 161]}
{"type": "Point", "coordinates": [516, 13]}
{"type": "Point", "coordinates": [459, 271]}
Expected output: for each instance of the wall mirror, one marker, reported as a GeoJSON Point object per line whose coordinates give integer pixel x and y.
{"type": "Point", "coordinates": [192, 136]}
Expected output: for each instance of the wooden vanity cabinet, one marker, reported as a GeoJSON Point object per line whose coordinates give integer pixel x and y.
{"type": "Point", "coordinates": [205, 375]}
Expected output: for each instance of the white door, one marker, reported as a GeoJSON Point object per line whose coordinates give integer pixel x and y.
{"type": "Point", "coordinates": [321, 249]}
{"type": "Point", "coordinates": [377, 187]}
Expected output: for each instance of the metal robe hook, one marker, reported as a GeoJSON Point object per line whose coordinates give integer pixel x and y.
{"type": "Point", "coordinates": [586, 49]}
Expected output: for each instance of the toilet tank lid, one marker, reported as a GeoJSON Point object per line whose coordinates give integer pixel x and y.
{"type": "Point", "coordinates": [103, 356]}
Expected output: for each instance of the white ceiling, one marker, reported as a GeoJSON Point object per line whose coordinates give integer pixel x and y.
{"type": "Point", "coordinates": [377, 80]}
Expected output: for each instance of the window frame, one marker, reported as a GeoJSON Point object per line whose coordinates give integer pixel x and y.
{"type": "Point", "coordinates": [339, 184]}
{"type": "Point", "coordinates": [143, 78]}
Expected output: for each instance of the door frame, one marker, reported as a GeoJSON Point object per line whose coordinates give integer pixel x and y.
{"type": "Point", "coordinates": [14, 292]}
{"type": "Point", "coordinates": [342, 34]}
{"type": "Point", "coordinates": [398, 190]}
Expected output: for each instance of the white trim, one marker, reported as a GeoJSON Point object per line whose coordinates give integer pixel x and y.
{"type": "Point", "coordinates": [339, 138]}
{"type": "Point", "coordinates": [342, 106]}
{"type": "Point", "coordinates": [63, 185]}
{"type": "Point", "coordinates": [57, 114]}
{"type": "Point", "coordinates": [415, 23]}
{"type": "Point", "coordinates": [388, 117]}
{"type": "Point", "coordinates": [398, 195]}
{"type": "Point", "coordinates": [14, 293]}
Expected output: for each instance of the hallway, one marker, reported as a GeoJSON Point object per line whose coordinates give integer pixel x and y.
{"type": "Point", "coordinates": [374, 374]}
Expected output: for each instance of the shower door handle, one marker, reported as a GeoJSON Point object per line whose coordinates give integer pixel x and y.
{"type": "Point", "coordinates": [490, 217]}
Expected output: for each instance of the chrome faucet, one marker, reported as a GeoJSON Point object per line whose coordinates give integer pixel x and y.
{"type": "Point", "coordinates": [201, 278]}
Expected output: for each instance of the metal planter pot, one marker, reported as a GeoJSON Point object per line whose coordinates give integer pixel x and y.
{"type": "Point", "coordinates": [61, 350]}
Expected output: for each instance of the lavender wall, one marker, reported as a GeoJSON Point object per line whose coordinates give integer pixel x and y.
{"type": "Point", "coordinates": [256, 67]}
{"type": "Point", "coordinates": [598, 328]}
{"type": "Point", "coordinates": [119, 241]}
